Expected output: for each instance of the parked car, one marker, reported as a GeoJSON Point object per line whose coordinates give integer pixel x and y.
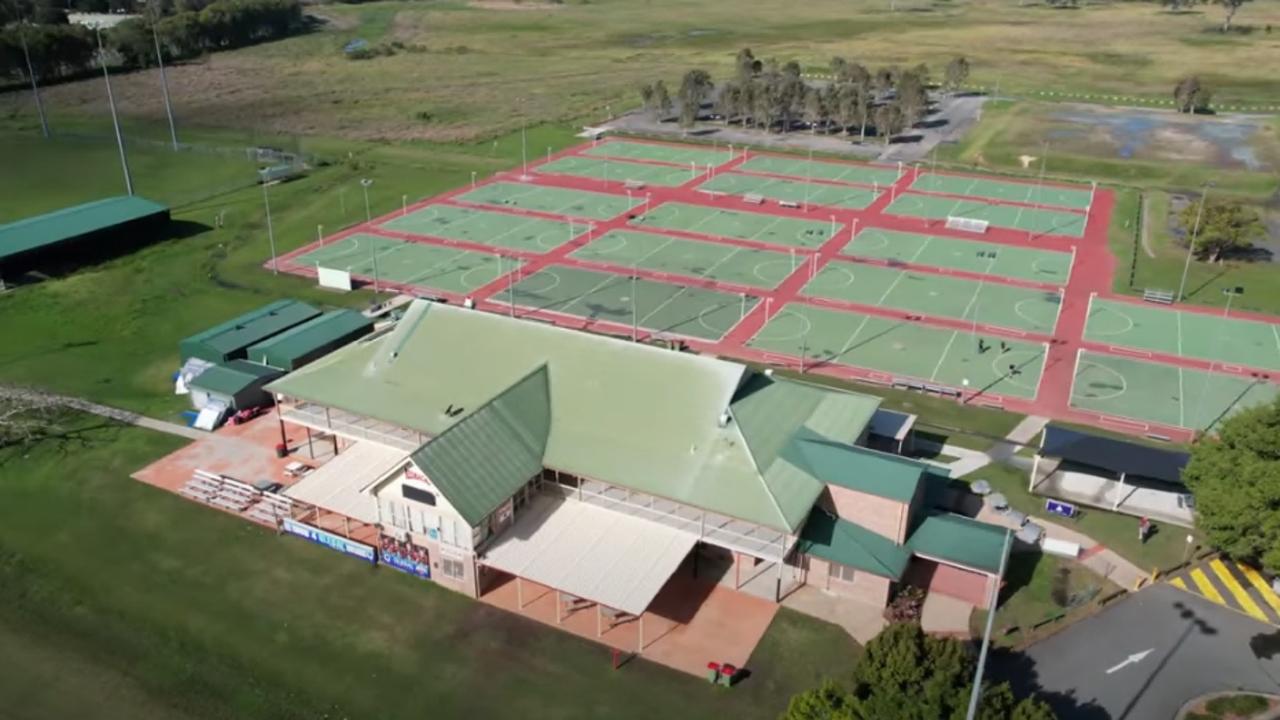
{"type": "Point", "coordinates": [247, 414]}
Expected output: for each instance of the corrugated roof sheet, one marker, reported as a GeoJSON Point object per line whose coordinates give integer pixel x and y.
{"type": "Point", "coordinates": [486, 457]}
{"type": "Point", "coordinates": [1114, 455]}
{"type": "Point", "coordinates": [840, 541]}
{"type": "Point", "coordinates": [631, 415]}
{"type": "Point", "coordinates": [960, 540]}
{"type": "Point", "coordinates": [286, 349]}
{"type": "Point", "coordinates": [862, 469]}
{"type": "Point", "coordinates": [232, 377]}
{"type": "Point", "coordinates": [55, 227]}
{"type": "Point", "coordinates": [237, 334]}
{"type": "Point", "coordinates": [341, 485]}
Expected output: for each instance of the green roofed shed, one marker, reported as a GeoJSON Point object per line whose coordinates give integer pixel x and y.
{"type": "Point", "coordinates": [959, 540]}
{"type": "Point", "coordinates": [33, 233]}
{"type": "Point", "coordinates": [840, 541]}
{"type": "Point", "coordinates": [314, 338]}
{"type": "Point", "coordinates": [231, 339]}
{"type": "Point", "coordinates": [484, 459]}
{"type": "Point", "coordinates": [238, 384]}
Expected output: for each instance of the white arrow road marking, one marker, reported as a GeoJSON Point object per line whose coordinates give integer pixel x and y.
{"type": "Point", "coordinates": [1131, 660]}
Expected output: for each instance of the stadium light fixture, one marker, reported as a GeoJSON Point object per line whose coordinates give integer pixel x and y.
{"type": "Point", "coordinates": [115, 119]}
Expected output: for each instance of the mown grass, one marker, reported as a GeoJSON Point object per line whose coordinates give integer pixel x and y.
{"type": "Point", "coordinates": [118, 600]}
{"type": "Point", "coordinates": [1165, 548]}
{"type": "Point", "coordinates": [1028, 597]}
{"type": "Point", "coordinates": [478, 70]}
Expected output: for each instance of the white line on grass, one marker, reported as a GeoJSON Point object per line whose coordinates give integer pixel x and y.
{"type": "Point", "coordinates": [942, 358]}
{"type": "Point", "coordinates": [854, 337]}
{"type": "Point", "coordinates": [892, 285]}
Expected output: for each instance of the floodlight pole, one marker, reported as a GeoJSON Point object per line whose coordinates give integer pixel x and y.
{"type": "Point", "coordinates": [365, 183]}
{"type": "Point", "coordinates": [115, 119]}
{"type": "Point", "coordinates": [271, 235]}
{"type": "Point", "coordinates": [634, 320]}
{"type": "Point", "coordinates": [1044, 159]}
{"type": "Point", "coordinates": [164, 87]}
{"type": "Point", "coordinates": [808, 179]}
{"type": "Point", "coordinates": [1231, 293]}
{"type": "Point", "coordinates": [1191, 246]}
{"type": "Point", "coordinates": [524, 149]}
{"type": "Point", "coordinates": [31, 75]}
{"type": "Point", "coordinates": [994, 597]}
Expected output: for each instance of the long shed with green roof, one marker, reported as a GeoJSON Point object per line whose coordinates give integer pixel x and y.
{"type": "Point", "coordinates": [232, 339]}
{"type": "Point", "coordinates": [80, 234]}
{"type": "Point", "coordinates": [314, 338]}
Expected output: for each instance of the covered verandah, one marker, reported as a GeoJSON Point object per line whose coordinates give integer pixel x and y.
{"type": "Point", "coordinates": [622, 581]}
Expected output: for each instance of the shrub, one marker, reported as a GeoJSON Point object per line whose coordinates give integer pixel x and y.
{"type": "Point", "coordinates": [906, 605]}
{"type": "Point", "coordinates": [1241, 705]}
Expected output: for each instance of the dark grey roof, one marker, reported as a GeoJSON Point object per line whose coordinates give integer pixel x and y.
{"type": "Point", "coordinates": [1114, 455]}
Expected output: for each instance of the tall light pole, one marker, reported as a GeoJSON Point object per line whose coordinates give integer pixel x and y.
{"type": "Point", "coordinates": [271, 235]}
{"type": "Point", "coordinates": [524, 148]}
{"type": "Point", "coordinates": [115, 119]}
{"type": "Point", "coordinates": [365, 184]}
{"type": "Point", "coordinates": [976, 694]}
{"type": "Point", "coordinates": [1231, 293]}
{"type": "Point", "coordinates": [1195, 233]}
{"type": "Point", "coordinates": [31, 75]}
{"type": "Point", "coordinates": [164, 85]}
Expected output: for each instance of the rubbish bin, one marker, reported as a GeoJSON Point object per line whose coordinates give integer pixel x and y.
{"type": "Point", "coordinates": [713, 672]}
{"type": "Point", "coordinates": [727, 672]}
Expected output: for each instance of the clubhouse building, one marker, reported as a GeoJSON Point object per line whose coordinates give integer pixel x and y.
{"type": "Point", "coordinates": [496, 453]}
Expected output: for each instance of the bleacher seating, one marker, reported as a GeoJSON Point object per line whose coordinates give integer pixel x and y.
{"type": "Point", "coordinates": [753, 199]}
{"type": "Point", "coordinates": [235, 496]}
{"type": "Point", "coordinates": [1164, 297]}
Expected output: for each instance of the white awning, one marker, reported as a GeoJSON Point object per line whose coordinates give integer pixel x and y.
{"type": "Point", "coordinates": [596, 554]}
{"type": "Point", "coordinates": [341, 485]}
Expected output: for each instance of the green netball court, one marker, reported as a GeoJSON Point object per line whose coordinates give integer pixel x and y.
{"type": "Point", "coordinates": [602, 168]}
{"type": "Point", "coordinates": [938, 295]}
{"type": "Point", "coordinates": [674, 154]}
{"type": "Point", "coordinates": [391, 260]}
{"type": "Point", "coordinates": [773, 229]}
{"type": "Point", "coordinates": [794, 191]}
{"type": "Point", "coordinates": [495, 229]}
{"type": "Point", "coordinates": [1068, 197]}
{"type": "Point", "coordinates": [819, 170]}
{"type": "Point", "coordinates": [1188, 334]}
{"type": "Point", "coordinates": [559, 201]}
{"type": "Point", "coordinates": [1016, 217]}
{"type": "Point", "coordinates": [690, 258]}
{"type": "Point", "coordinates": [902, 349]}
{"type": "Point", "coordinates": [1020, 263]}
{"type": "Point", "coordinates": [1164, 394]}
{"type": "Point", "coordinates": [656, 307]}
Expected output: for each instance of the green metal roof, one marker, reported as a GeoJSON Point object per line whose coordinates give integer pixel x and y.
{"type": "Point", "coordinates": [840, 541]}
{"type": "Point", "coordinates": [233, 377]}
{"type": "Point", "coordinates": [292, 347]}
{"type": "Point", "coordinates": [862, 469]}
{"type": "Point", "coordinates": [632, 415]}
{"type": "Point", "coordinates": [232, 337]}
{"type": "Point", "coordinates": [959, 540]}
{"type": "Point", "coordinates": [486, 457]}
{"type": "Point", "coordinates": [60, 225]}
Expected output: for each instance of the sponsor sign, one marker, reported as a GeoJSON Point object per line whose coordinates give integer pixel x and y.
{"type": "Point", "coordinates": [329, 540]}
{"type": "Point", "coordinates": [1058, 507]}
{"type": "Point", "coordinates": [403, 564]}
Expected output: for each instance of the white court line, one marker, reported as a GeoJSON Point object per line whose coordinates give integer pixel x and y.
{"type": "Point", "coordinates": [1277, 337]}
{"type": "Point", "coordinates": [920, 249]}
{"type": "Point", "coordinates": [654, 251]}
{"type": "Point", "coordinates": [943, 357]}
{"type": "Point", "coordinates": [447, 261]}
{"type": "Point", "coordinates": [1182, 402]}
{"type": "Point", "coordinates": [578, 299]}
{"type": "Point", "coordinates": [706, 274]}
{"type": "Point", "coordinates": [1178, 315]}
{"type": "Point", "coordinates": [475, 214]}
{"type": "Point", "coordinates": [644, 320]}
{"type": "Point", "coordinates": [854, 337]}
{"type": "Point", "coordinates": [892, 285]}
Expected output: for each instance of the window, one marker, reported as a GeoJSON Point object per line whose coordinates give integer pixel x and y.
{"type": "Point", "coordinates": [418, 495]}
{"type": "Point", "coordinates": [452, 568]}
{"type": "Point", "coordinates": [843, 572]}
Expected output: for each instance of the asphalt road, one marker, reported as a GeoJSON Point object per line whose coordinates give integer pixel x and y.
{"type": "Point", "coordinates": [1100, 668]}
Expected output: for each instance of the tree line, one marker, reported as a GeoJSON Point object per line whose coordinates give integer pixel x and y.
{"type": "Point", "coordinates": [775, 97]}
{"type": "Point", "coordinates": [60, 50]}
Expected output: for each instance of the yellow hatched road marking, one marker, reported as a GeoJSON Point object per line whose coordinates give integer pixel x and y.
{"type": "Point", "coordinates": [1262, 587]}
{"type": "Point", "coordinates": [1243, 598]}
{"type": "Point", "coordinates": [1178, 583]}
{"type": "Point", "coordinates": [1206, 588]}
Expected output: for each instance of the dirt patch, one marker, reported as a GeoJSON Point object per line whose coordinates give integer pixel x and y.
{"type": "Point", "coordinates": [334, 22]}
{"type": "Point", "coordinates": [513, 5]}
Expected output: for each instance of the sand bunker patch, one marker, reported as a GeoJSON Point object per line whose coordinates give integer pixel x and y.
{"type": "Point", "coordinates": [513, 5]}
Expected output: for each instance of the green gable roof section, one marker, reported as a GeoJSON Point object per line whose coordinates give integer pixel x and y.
{"type": "Point", "coordinates": [485, 458]}
{"type": "Point", "coordinates": [60, 225]}
{"type": "Point", "coordinates": [840, 541]}
{"type": "Point", "coordinates": [233, 377]}
{"type": "Point", "coordinates": [959, 540]}
{"type": "Point", "coordinates": [229, 340]}
{"type": "Point", "coordinates": [631, 415]}
{"type": "Point", "coordinates": [861, 469]}
{"type": "Point", "coordinates": [293, 348]}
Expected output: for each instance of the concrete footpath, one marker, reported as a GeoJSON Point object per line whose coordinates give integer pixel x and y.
{"type": "Point", "coordinates": [125, 416]}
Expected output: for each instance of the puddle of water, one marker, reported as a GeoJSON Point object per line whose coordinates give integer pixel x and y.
{"type": "Point", "coordinates": [1142, 133]}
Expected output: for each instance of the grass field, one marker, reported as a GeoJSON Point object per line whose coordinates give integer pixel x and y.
{"type": "Point", "coordinates": [1011, 261]}
{"type": "Point", "coordinates": [901, 349]}
{"type": "Point", "coordinates": [772, 229]}
{"type": "Point", "coordinates": [149, 606]}
{"type": "Point", "coordinates": [690, 258]}
{"type": "Point", "coordinates": [495, 65]}
{"type": "Point", "coordinates": [1028, 598]}
{"type": "Point", "coordinates": [939, 295]}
